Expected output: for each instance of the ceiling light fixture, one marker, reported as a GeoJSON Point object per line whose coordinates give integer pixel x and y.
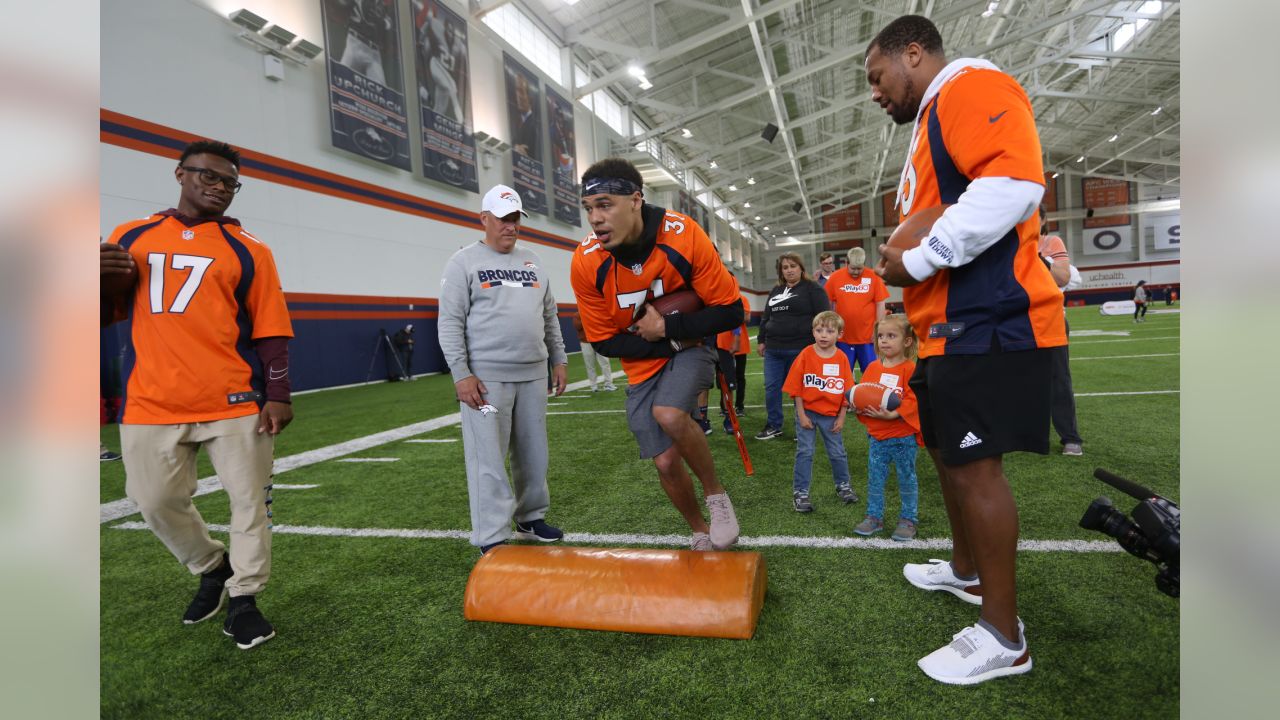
{"type": "Point", "coordinates": [758, 218]}
{"type": "Point", "coordinates": [248, 20]}
{"type": "Point", "coordinates": [1055, 175]}
{"type": "Point", "coordinates": [636, 71]}
{"type": "Point", "coordinates": [1157, 110]}
{"type": "Point", "coordinates": [1080, 159]}
{"type": "Point", "coordinates": [733, 188]}
{"type": "Point", "coordinates": [713, 165]}
{"type": "Point", "coordinates": [746, 205]}
{"type": "Point", "coordinates": [686, 132]}
{"type": "Point", "coordinates": [751, 181]}
{"type": "Point", "coordinates": [1113, 138]}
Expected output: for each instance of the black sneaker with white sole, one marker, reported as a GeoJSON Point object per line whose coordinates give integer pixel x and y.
{"type": "Point", "coordinates": [210, 595]}
{"type": "Point", "coordinates": [245, 623]}
{"type": "Point", "coordinates": [538, 530]}
{"type": "Point", "coordinates": [768, 433]}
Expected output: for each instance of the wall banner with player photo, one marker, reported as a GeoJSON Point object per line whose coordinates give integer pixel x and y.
{"type": "Point", "coordinates": [444, 95]}
{"type": "Point", "coordinates": [1102, 241]}
{"type": "Point", "coordinates": [366, 80]}
{"type": "Point", "coordinates": [564, 166]}
{"type": "Point", "coordinates": [525, 117]}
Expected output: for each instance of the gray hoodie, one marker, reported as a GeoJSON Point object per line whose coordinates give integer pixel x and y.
{"type": "Point", "coordinates": [498, 316]}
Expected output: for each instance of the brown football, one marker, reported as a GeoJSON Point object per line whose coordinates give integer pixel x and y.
{"type": "Point", "coordinates": [916, 227]}
{"type": "Point", "coordinates": [680, 301]}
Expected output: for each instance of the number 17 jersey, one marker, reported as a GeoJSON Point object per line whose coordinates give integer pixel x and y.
{"type": "Point", "coordinates": [204, 293]}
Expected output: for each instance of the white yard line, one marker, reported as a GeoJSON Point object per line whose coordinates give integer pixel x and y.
{"type": "Point", "coordinates": [364, 460]}
{"type": "Point", "coordinates": [1137, 339]}
{"type": "Point", "coordinates": [1124, 357]}
{"type": "Point", "coordinates": [123, 507]}
{"type": "Point", "coordinates": [433, 440]}
{"type": "Point", "coordinates": [585, 412]}
{"type": "Point", "coordinates": [277, 486]}
{"type": "Point", "coordinates": [1136, 392]}
{"type": "Point", "coordinates": [1073, 546]}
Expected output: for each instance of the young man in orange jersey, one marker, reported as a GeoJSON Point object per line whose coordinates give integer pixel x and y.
{"type": "Point", "coordinates": [635, 253]}
{"type": "Point", "coordinates": [206, 365]}
{"type": "Point", "coordinates": [987, 314]}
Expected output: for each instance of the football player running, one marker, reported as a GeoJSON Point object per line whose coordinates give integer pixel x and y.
{"type": "Point", "coordinates": [635, 253]}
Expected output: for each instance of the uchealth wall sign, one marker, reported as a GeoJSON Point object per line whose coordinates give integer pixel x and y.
{"type": "Point", "coordinates": [1100, 241]}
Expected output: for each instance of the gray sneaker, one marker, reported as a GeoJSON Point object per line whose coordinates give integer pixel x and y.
{"type": "Point", "coordinates": [1072, 449]}
{"type": "Point", "coordinates": [800, 501]}
{"type": "Point", "coordinates": [724, 524]}
{"type": "Point", "coordinates": [846, 495]}
{"type": "Point", "coordinates": [701, 542]}
{"type": "Point", "coordinates": [905, 531]}
{"type": "Point", "coordinates": [868, 526]}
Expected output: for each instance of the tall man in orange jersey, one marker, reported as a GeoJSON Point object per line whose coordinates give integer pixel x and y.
{"type": "Point", "coordinates": [206, 365]}
{"type": "Point", "coordinates": [987, 314]}
{"type": "Point", "coordinates": [635, 253]}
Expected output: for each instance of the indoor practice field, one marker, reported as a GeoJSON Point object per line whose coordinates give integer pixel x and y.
{"type": "Point", "coordinates": [371, 560]}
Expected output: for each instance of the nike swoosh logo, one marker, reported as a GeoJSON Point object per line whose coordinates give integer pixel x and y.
{"type": "Point", "coordinates": [272, 375]}
{"type": "Point", "coordinates": [994, 118]}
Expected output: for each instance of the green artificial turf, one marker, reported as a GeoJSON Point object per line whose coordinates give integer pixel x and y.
{"type": "Point", "coordinates": [373, 627]}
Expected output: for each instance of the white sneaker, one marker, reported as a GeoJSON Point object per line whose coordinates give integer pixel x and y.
{"type": "Point", "coordinates": [937, 575]}
{"type": "Point", "coordinates": [974, 655]}
{"type": "Point", "coordinates": [610, 387]}
{"type": "Point", "coordinates": [701, 542]}
{"type": "Point", "coordinates": [724, 524]}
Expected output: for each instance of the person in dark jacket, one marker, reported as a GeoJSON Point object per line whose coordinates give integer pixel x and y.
{"type": "Point", "coordinates": [786, 329]}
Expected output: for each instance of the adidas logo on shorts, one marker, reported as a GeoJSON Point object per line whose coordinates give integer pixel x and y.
{"type": "Point", "coordinates": [969, 441]}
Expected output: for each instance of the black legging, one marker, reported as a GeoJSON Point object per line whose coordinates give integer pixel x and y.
{"type": "Point", "coordinates": [740, 382]}
{"type": "Point", "coordinates": [1139, 308]}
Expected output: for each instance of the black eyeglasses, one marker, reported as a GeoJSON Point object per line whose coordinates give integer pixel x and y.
{"type": "Point", "coordinates": [211, 178]}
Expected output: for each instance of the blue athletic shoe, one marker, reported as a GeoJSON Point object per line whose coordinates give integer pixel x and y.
{"type": "Point", "coordinates": [538, 530]}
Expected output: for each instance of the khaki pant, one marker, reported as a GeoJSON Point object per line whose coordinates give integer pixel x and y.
{"type": "Point", "coordinates": [160, 470]}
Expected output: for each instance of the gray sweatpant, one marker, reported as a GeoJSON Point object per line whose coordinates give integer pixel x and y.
{"type": "Point", "coordinates": [519, 425]}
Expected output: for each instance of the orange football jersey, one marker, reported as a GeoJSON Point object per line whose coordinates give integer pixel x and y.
{"type": "Point", "coordinates": [981, 124]}
{"type": "Point", "coordinates": [608, 295]}
{"type": "Point", "coordinates": [204, 293]}
{"type": "Point", "coordinates": [854, 299]}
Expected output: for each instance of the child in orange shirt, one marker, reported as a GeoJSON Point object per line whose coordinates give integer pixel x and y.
{"type": "Point", "coordinates": [893, 434]}
{"type": "Point", "coordinates": [818, 381]}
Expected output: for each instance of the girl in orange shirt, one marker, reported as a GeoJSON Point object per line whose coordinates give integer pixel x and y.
{"type": "Point", "coordinates": [893, 435]}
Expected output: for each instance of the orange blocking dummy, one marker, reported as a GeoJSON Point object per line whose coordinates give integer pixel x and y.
{"type": "Point", "coordinates": [665, 592]}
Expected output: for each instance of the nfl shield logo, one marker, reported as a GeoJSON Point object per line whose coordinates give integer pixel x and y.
{"type": "Point", "coordinates": [188, 235]}
{"type": "Point", "coordinates": [638, 268]}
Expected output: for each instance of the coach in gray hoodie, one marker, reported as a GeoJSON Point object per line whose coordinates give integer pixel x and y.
{"type": "Point", "coordinates": [497, 328]}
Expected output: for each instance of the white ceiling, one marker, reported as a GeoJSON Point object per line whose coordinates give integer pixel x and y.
{"type": "Point", "coordinates": [725, 68]}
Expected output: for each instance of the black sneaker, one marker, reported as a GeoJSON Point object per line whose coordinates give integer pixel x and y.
{"type": "Point", "coordinates": [728, 427]}
{"type": "Point", "coordinates": [538, 530]}
{"type": "Point", "coordinates": [768, 433]}
{"type": "Point", "coordinates": [846, 495]}
{"type": "Point", "coordinates": [245, 623]}
{"type": "Point", "coordinates": [801, 502]}
{"type": "Point", "coordinates": [109, 456]}
{"type": "Point", "coordinates": [486, 548]}
{"type": "Point", "coordinates": [210, 594]}
{"type": "Point", "coordinates": [705, 424]}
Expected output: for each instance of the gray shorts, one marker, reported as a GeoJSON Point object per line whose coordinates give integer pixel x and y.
{"type": "Point", "coordinates": [676, 385]}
